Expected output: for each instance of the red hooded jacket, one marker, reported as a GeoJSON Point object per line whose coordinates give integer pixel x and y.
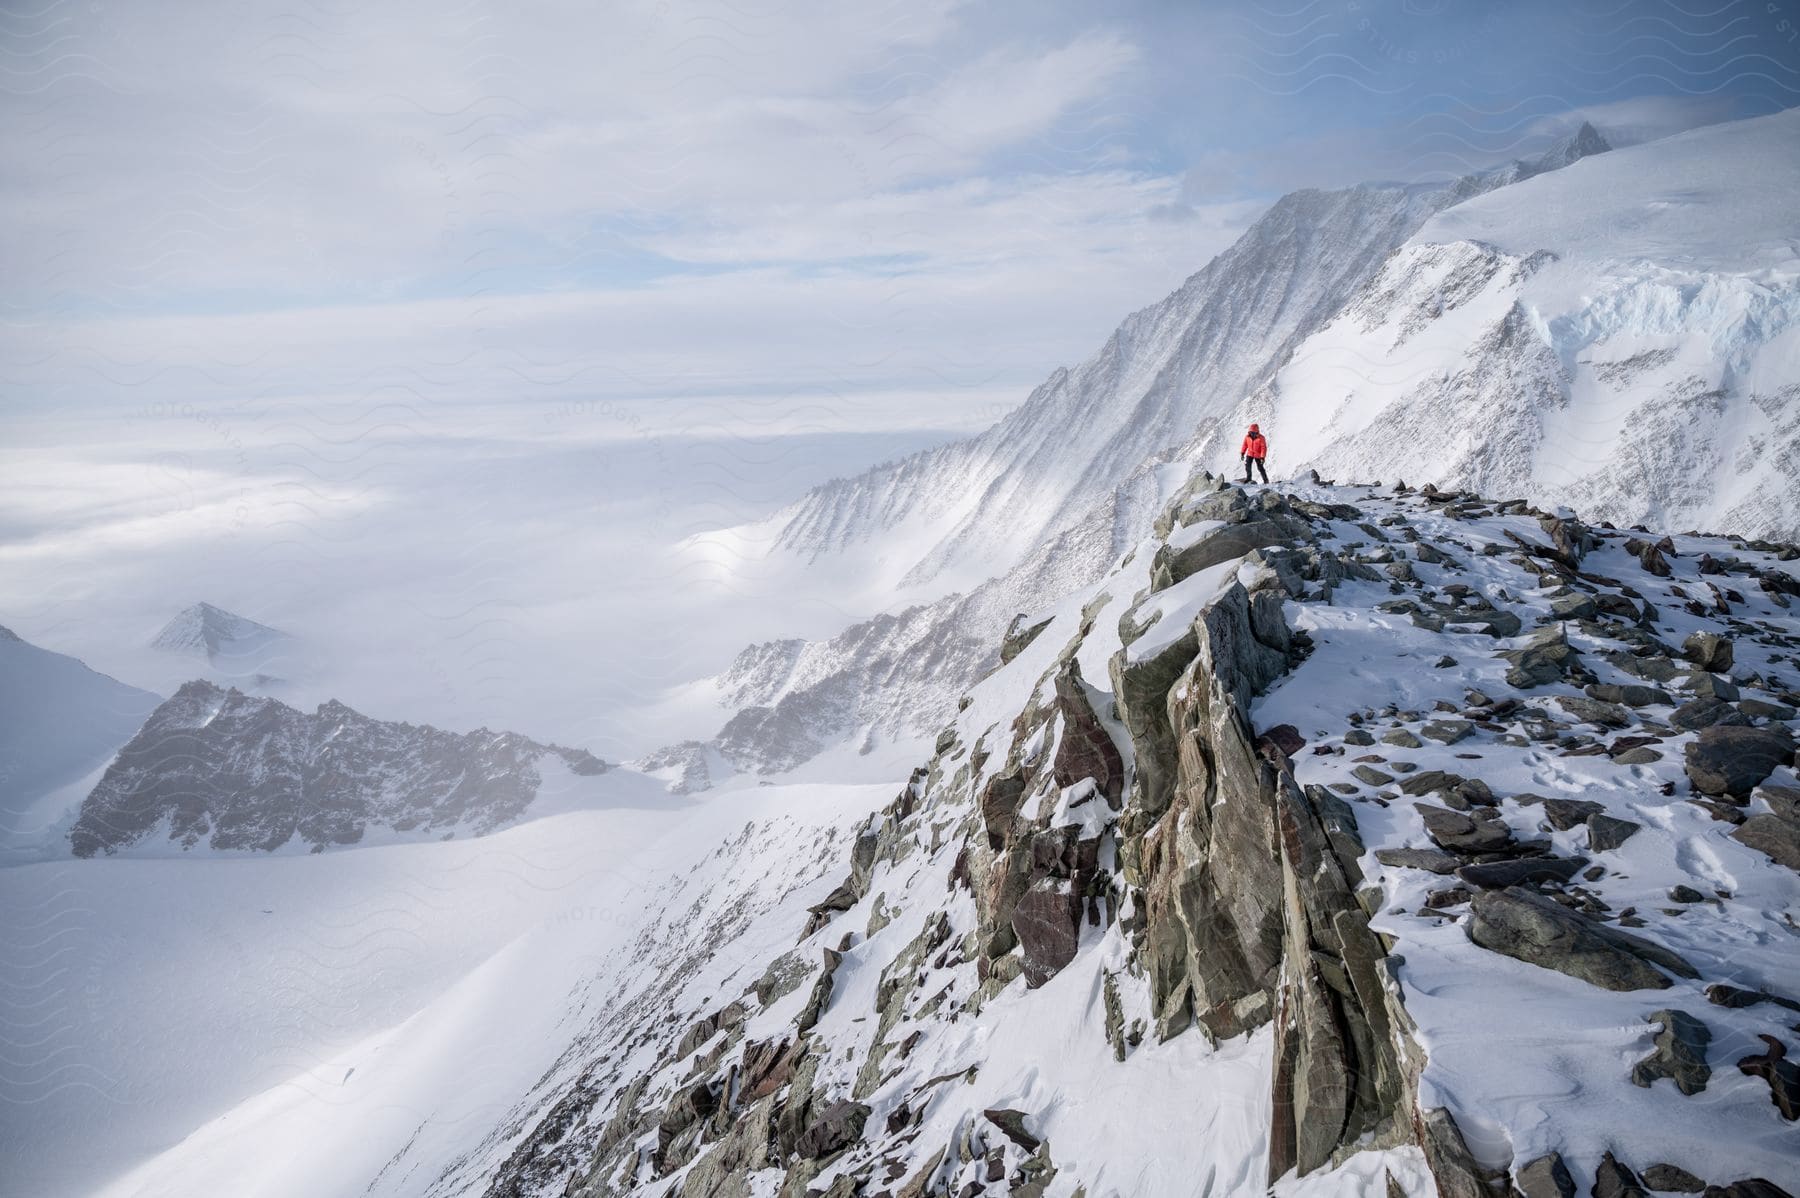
{"type": "Point", "coordinates": [1255, 446]}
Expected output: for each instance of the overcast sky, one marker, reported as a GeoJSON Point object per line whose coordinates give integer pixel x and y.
{"type": "Point", "coordinates": [661, 196]}
{"type": "Point", "coordinates": [416, 328]}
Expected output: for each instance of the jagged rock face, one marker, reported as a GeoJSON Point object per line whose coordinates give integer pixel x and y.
{"type": "Point", "coordinates": [234, 772]}
{"type": "Point", "coordinates": [1168, 879]}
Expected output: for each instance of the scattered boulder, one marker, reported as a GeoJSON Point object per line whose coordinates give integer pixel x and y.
{"type": "Point", "coordinates": [1547, 657]}
{"type": "Point", "coordinates": [1782, 1075]}
{"type": "Point", "coordinates": [1679, 1053]}
{"type": "Point", "coordinates": [1447, 732]}
{"type": "Point", "coordinates": [1545, 1177]}
{"type": "Point", "coordinates": [1528, 927]}
{"type": "Point", "coordinates": [1401, 738]}
{"type": "Point", "coordinates": [1457, 832]}
{"type": "Point", "coordinates": [1706, 712]}
{"type": "Point", "coordinates": [1608, 832]}
{"type": "Point", "coordinates": [1613, 1179]}
{"type": "Point", "coordinates": [1564, 814]}
{"type": "Point", "coordinates": [1594, 711]}
{"type": "Point", "coordinates": [1710, 651]}
{"type": "Point", "coordinates": [1498, 875]}
{"type": "Point", "coordinates": [1431, 860]}
{"type": "Point", "coordinates": [1012, 1125]}
{"type": "Point", "coordinates": [1672, 1179]}
{"type": "Point", "coordinates": [1629, 694]}
{"type": "Point", "coordinates": [1775, 832]}
{"type": "Point", "coordinates": [1732, 760]}
{"type": "Point", "coordinates": [1285, 737]}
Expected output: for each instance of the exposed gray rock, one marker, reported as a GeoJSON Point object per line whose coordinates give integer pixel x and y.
{"type": "Point", "coordinates": [1401, 738]}
{"type": "Point", "coordinates": [1613, 1179]}
{"type": "Point", "coordinates": [1547, 657]}
{"type": "Point", "coordinates": [837, 1128]}
{"type": "Point", "coordinates": [1019, 635]}
{"type": "Point", "coordinates": [820, 998]}
{"type": "Point", "coordinates": [1012, 1124]}
{"type": "Point", "coordinates": [1462, 833]}
{"type": "Point", "coordinates": [1710, 651]}
{"type": "Point", "coordinates": [1047, 921]}
{"type": "Point", "coordinates": [1711, 686]}
{"type": "Point", "coordinates": [1529, 927]}
{"type": "Point", "coordinates": [1564, 814]}
{"type": "Point", "coordinates": [1672, 1179]}
{"type": "Point", "coordinates": [1706, 712]}
{"type": "Point", "coordinates": [1609, 832]}
{"type": "Point", "coordinates": [1545, 1177]}
{"type": "Point", "coordinates": [1498, 875]}
{"type": "Point", "coordinates": [1371, 776]}
{"type": "Point", "coordinates": [1432, 860]}
{"type": "Point", "coordinates": [1679, 1053]}
{"type": "Point", "coordinates": [1594, 711]}
{"type": "Point", "coordinates": [1782, 1075]}
{"type": "Point", "coordinates": [1774, 835]}
{"type": "Point", "coordinates": [1732, 760]}
{"type": "Point", "coordinates": [1447, 732]}
{"type": "Point", "coordinates": [1628, 694]}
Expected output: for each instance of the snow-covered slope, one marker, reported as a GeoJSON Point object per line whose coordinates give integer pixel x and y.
{"type": "Point", "coordinates": [59, 723]}
{"type": "Point", "coordinates": [951, 517]}
{"type": "Point", "coordinates": [1336, 843]}
{"type": "Point", "coordinates": [1622, 336]}
{"type": "Point", "coordinates": [220, 637]}
{"type": "Point", "coordinates": [1046, 500]}
{"type": "Point", "coordinates": [235, 772]}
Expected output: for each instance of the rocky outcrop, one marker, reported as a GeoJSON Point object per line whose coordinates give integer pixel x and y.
{"type": "Point", "coordinates": [1523, 924]}
{"type": "Point", "coordinates": [238, 772]}
{"type": "Point", "coordinates": [1156, 854]}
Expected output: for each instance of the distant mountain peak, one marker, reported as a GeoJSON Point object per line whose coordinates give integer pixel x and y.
{"type": "Point", "coordinates": [204, 630]}
{"type": "Point", "coordinates": [1585, 142]}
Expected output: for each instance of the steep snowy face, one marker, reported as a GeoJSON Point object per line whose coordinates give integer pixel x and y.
{"type": "Point", "coordinates": [1622, 336]}
{"type": "Point", "coordinates": [211, 632]}
{"type": "Point", "coordinates": [59, 721]}
{"type": "Point", "coordinates": [233, 772]}
{"type": "Point", "coordinates": [1338, 842]}
{"type": "Point", "coordinates": [235, 647]}
{"type": "Point", "coordinates": [1046, 501]}
{"type": "Point", "coordinates": [952, 517]}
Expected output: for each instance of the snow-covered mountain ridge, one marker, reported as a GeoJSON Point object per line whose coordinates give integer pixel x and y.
{"type": "Point", "coordinates": [1622, 336]}
{"type": "Point", "coordinates": [1609, 330]}
{"type": "Point", "coordinates": [949, 518]}
{"type": "Point", "coordinates": [1339, 841]}
{"type": "Point", "coordinates": [234, 772]}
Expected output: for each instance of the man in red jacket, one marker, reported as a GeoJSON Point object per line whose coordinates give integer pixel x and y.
{"type": "Point", "coordinates": [1254, 450]}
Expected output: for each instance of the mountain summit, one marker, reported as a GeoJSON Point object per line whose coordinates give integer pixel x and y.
{"type": "Point", "coordinates": [219, 636]}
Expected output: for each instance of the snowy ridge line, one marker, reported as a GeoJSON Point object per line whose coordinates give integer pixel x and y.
{"type": "Point", "coordinates": [1378, 833]}
{"type": "Point", "coordinates": [1612, 331]}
